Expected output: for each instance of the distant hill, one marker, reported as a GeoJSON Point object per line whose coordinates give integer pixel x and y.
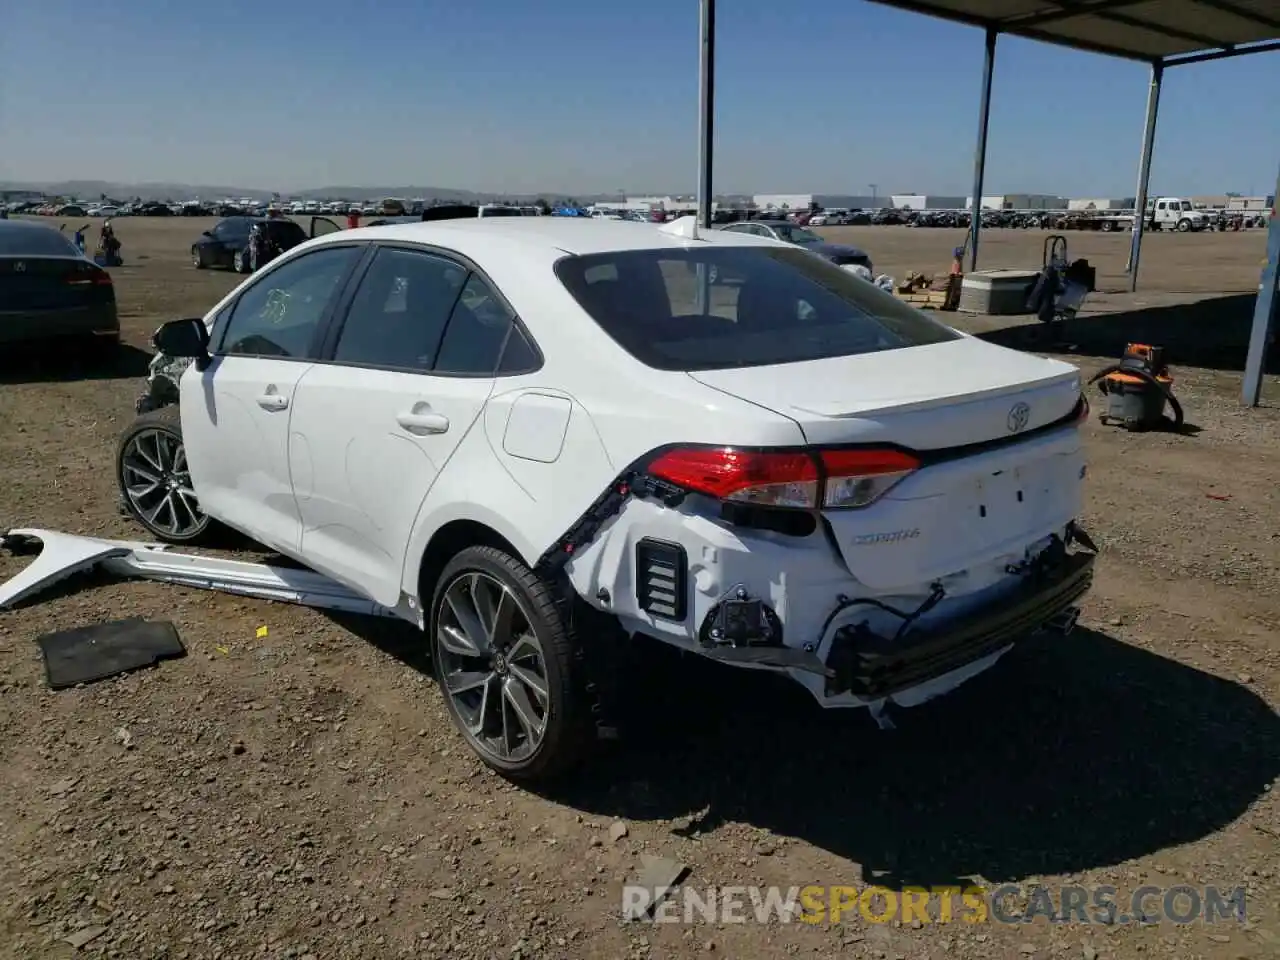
{"type": "Point", "coordinates": [91, 189]}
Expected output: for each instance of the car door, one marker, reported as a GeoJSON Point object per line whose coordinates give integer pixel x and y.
{"type": "Point", "coordinates": [321, 226]}
{"type": "Point", "coordinates": [409, 368]}
{"type": "Point", "coordinates": [235, 413]}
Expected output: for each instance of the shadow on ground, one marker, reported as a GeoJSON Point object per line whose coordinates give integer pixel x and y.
{"type": "Point", "coordinates": [1074, 753]}
{"type": "Point", "coordinates": [1070, 754]}
{"type": "Point", "coordinates": [53, 363]}
{"type": "Point", "coordinates": [1212, 333]}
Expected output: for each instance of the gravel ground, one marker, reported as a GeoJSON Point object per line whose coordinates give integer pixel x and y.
{"type": "Point", "coordinates": [300, 793]}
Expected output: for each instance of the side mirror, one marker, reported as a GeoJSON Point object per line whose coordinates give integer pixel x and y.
{"type": "Point", "coordinates": [206, 233]}
{"type": "Point", "coordinates": [184, 338]}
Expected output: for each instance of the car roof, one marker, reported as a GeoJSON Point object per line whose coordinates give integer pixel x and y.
{"type": "Point", "coordinates": [572, 235]}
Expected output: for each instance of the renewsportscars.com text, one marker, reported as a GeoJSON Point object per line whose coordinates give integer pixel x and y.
{"type": "Point", "coordinates": [1007, 903]}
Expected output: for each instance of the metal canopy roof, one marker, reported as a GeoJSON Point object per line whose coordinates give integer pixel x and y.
{"type": "Point", "coordinates": [1169, 31]}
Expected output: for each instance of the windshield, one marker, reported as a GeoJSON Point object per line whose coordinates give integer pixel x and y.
{"type": "Point", "coordinates": [765, 305]}
{"type": "Point", "coordinates": [797, 234]}
{"type": "Point", "coordinates": [500, 212]}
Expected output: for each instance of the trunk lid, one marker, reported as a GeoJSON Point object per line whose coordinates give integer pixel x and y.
{"type": "Point", "coordinates": [980, 499]}
{"type": "Point", "coordinates": [49, 283]}
{"type": "Point", "coordinates": [932, 397]}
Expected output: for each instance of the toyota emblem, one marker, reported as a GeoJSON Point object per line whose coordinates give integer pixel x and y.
{"type": "Point", "coordinates": [19, 267]}
{"type": "Point", "coordinates": [1019, 415]}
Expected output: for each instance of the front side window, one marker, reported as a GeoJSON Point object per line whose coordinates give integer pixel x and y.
{"type": "Point", "coordinates": [769, 305]}
{"type": "Point", "coordinates": [280, 312]}
{"type": "Point", "coordinates": [400, 311]}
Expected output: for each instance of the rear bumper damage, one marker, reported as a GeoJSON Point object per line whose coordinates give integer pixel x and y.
{"type": "Point", "coordinates": [872, 666]}
{"type": "Point", "coordinates": [862, 665]}
{"type": "Point", "coordinates": [767, 601]}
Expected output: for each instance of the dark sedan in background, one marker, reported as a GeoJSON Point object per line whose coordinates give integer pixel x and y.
{"type": "Point", "coordinates": [49, 290]}
{"type": "Point", "coordinates": [840, 254]}
{"type": "Point", "coordinates": [226, 244]}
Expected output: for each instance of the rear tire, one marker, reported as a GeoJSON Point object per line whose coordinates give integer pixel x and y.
{"type": "Point", "coordinates": [505, 661]}
{"type": "Point", "coordinates": [155, 481]}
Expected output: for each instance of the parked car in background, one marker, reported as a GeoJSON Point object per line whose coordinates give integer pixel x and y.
{"type": "Point", "coordinates": [802, 475]}
{"type": "Point", "coordinates": [840, 254]}
{"type": "Point", "coordinates": [226, 243]}
{"type": "Point", "coordinates": [49, 290]}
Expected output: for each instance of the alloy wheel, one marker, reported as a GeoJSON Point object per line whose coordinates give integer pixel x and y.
{"type": "Point", "coordinates": [492, 667]}
{"type": "Point", "coordinates": [157, 481]}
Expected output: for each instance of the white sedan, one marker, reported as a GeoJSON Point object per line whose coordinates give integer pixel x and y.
{"type": "Point", "coordinates": [532, 437]}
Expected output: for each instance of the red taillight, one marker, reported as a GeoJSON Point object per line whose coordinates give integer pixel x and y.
{"type": "Point", "coordinates": [744, 476]}
{"type": "Point", "coordinates": [846, 478]}
{"type": "Point", "coordinates": [94, 276]}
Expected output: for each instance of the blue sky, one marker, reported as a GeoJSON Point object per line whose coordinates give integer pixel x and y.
{"type": "Point", "coordinates": [827, 96]}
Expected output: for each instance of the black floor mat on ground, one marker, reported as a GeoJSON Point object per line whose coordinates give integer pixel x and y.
{"type": "Point", "coordinates": [86, 654]}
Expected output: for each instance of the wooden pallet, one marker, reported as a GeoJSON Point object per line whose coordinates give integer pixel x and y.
{"type": "Point", "coordinates": [924, 298]}
{"type": "Point", "coordinates": [931, 299]}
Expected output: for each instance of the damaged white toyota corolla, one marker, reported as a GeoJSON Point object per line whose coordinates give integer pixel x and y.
{"type": "Point", "coordinates": [532, 437]}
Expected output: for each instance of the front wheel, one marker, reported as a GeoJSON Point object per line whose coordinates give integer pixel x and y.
{"type": "Point", "coordinates": [1184, 225]}
{"type": "Point", "coordinates": [197, 258]}
{"type": "Point", "coordinates": [155, 481]}
{"type": "Point", "coordinates": [240, 261]}
{"type": "Point", "coordinates": [505, 663]}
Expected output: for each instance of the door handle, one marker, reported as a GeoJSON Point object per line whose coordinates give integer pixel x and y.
{"type": "Point", "coordinates": [273, 401]}
{"type": "Point", "coordinates": [423, 422]}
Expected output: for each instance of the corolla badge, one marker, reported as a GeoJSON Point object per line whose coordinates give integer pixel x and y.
{"type": "Point", "coordinates": [19, 267]}
{"type": "Point", "coordinates": [1019, 416]}
{"type": "Point", "coordinates": [890, 536]}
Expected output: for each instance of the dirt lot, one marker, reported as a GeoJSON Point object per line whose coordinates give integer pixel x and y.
{"type": "Point", "coordinates": [300, 794]}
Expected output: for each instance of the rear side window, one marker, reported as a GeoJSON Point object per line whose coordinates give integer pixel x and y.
{"type": "Point", "coordinates": [476, 333]}
{"type": "Point", "coordinates": [762, 305]}
{"type": "Point", "coordinates": [24, 241]}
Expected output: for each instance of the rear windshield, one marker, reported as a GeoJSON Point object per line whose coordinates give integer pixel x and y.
{"type": "Point", "coordinates": [35, 242]}
{"type": "Point", "coordinates": [500, 212]}
{"type": "Point", "coordinates": [763, 305]}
